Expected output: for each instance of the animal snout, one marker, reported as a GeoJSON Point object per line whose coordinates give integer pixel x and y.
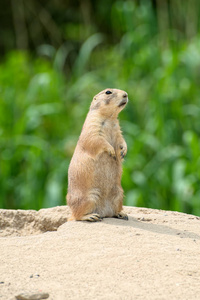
{"type": "Point", "coordinates": [125, 95]}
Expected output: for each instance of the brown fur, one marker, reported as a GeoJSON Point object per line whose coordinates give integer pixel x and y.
{"type": "Point", "coordinates": [94, 175]}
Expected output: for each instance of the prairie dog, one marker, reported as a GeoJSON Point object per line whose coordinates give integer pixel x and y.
{"type": "Point", "coordinates": [94, 174]}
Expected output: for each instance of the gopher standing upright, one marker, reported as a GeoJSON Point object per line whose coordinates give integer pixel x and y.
{"type": "Point", "coordinates": [94, 175]}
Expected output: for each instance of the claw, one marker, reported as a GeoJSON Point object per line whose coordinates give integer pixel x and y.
{"type": "Point", "coordinates": [123, 151]}
{"type": "Point", "coordinates": [92, 218]}
{"type": "Point", "coordinates": [122, 216]}
{"type": "Point", "coordinates": [122, 154]}
{"type": "Point", "coordinates": [113, 156]}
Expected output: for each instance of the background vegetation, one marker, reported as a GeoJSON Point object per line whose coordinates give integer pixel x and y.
{"type": "Point", "coordinates": [56, 55]}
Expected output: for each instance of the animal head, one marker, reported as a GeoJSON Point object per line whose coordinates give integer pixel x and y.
{"type": "Point", "coordinates": [109, 102]}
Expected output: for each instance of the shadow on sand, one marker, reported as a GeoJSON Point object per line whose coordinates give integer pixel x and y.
{"type": "Point", "coordinates": [161, 229]}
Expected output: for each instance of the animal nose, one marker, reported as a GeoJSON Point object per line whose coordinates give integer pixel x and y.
{"type": "Point", "coordinates": [125, 95]}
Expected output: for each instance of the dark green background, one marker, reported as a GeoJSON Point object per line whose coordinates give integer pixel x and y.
{"type": "Point", "coordinates": [56, 55]}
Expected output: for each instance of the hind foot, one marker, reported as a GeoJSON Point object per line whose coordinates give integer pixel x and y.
{"type": "Point", "coordinates": [121, 215]}
{"type": "Point", "coordinates": [92, 218]}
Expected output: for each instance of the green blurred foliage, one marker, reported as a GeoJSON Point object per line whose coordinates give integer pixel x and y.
{"type": "Point", "coordinates": [44, 103]}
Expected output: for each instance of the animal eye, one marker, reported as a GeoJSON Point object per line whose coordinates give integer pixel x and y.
{"type": "Point", "coordinates": [108, 92]}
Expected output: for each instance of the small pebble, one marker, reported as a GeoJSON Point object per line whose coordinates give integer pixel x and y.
{"type": "Point", "coordinates": [34, 275]}
{"type": "Point", "coordinates": [32, 296]}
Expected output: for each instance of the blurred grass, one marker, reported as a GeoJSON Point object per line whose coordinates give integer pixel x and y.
{"type": "Point", "coordinates": [42, 112]}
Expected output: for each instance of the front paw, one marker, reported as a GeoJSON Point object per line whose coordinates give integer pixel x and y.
{"type": "Point", "coordinates": [112, 153]}
{"type": "Point", "coordinates": [123, 151]}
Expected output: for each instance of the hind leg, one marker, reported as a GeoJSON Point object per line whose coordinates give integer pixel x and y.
{"type": "Point", "coordinates": [83, 208]}
{"type": "Point", "coordinates": [118, 204]}
{"type": "Point", "coordinates": [84, 214]}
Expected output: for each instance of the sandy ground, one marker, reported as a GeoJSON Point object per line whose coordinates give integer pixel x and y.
{"type": "Point", "coordinates": [153, 255]}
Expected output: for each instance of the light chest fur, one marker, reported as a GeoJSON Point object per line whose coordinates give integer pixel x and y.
{"type": "Point", "coordinates": [110, 130]}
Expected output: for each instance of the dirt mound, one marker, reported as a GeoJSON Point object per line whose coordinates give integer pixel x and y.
{"type": "Point", "coordinates": [28, 222]}
{"type": "Point", "coordinates": [154, 255]}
